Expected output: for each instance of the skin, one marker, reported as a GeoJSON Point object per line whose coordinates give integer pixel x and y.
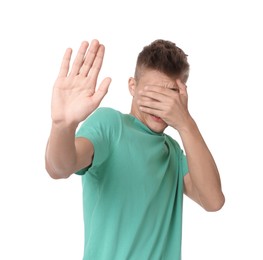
{"type": "Point", "coordinates": [158, 101]}
{"type": "Point", "coordinates": [74, 98]}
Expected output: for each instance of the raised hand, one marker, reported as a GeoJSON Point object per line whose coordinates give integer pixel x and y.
{"type": "Point", "coordinates": [75, 95]}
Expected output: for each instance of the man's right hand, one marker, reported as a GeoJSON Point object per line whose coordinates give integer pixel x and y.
{"type": "Point", "coordinates": [75, 95]}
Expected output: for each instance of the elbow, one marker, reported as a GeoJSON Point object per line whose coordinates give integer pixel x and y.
{"type": "Point", "coordinates": [216, 204]}
{"type": "Point", "coordinates": [55, 174]}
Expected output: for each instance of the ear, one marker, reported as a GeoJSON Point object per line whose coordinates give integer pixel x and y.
{"type": "Point", "coordinates": [132, 85]}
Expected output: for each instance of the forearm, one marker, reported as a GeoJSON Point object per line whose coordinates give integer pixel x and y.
{"type": "Point", "coordinates": [202, 168]}
{"type": "Point", "coordinates": [61, 154]}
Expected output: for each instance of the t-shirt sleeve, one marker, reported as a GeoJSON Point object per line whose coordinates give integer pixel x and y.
{"type": "Point", "coordinates": [184, 164]}
{"type": "Point", "coordinates": [101, 129]}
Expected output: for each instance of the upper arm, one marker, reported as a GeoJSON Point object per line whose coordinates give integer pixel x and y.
{"type": "Point", "coordinates": [84, 151]}
{"type": "Point", "coordinates": [189, 189]}
{"type": "Point", "coordinates": [82, 154]}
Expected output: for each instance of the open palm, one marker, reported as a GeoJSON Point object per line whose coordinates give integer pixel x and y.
{"type": "Point", "coordinates": [75, 95]}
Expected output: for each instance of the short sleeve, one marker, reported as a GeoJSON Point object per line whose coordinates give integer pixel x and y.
{"type": "Point", "coordinates": [101, 128]}
{"type": "Point", "coordinates": [184, 164]}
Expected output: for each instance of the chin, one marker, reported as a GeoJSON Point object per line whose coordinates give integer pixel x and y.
{"type": "Point", "coordinates": [156, 124]}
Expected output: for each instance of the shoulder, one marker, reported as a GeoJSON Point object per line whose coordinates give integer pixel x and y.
{"type": "Point", "coordinates": [179, 152]}
{"type": "Point", "coordinates": [104, 124]}
{"type": "Point", "coordinates": [172, 141]}
{"type": "Point", "coordinates": [104, 115]}
{"type": "Point", "coordinates": [103, 121]}
{"type": "Point", "coordinates": [107, 112]}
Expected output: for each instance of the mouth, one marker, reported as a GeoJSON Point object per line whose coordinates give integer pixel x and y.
{"type": "Point", "coordinates": [156, 118]}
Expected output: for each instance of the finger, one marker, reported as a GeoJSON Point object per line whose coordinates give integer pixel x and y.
{"type": "Point", "coordinates": [90, 58]}
{"type": "Point", "coordinates": [79, 58]}
{"type": "Point", "coordinates": [63, 72]}
{"type": "Point", "coordinates": [147, 95]}
{"type": "Point", "coordinates": [151, 111]}
{"type": "Point", "coordinates": [182, 87]}
{"type": "Point", "coordinates": [151, 92]}
{"type": "Point", "coordinates": [162, 90]}
{"type": "Point", "coordinates": [160, 94]}
{"type": "Point", "coordinates": [96, 64]}
{"type": "Point", "coordinates": [102, 90]}
{"type": "Point", "coordinates": [150, 103]}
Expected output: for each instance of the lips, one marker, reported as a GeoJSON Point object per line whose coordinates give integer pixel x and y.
{"type": "Point", "coordinates": [156, 118]}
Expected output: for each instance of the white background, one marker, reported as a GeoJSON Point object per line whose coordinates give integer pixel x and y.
{"type": "Point", "coordinates": [41, 218]}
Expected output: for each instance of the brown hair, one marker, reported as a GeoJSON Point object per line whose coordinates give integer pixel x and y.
{"type": "Point", "coordinates": [163, 56]}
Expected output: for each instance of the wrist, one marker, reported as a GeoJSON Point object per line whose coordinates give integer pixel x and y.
{"type": "Point", "coordinates": [189, 126]}
{"type": "Point", "coordinates": [62, 125]}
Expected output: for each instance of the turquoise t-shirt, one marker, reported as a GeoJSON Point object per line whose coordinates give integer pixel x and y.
{"type": "Point", "coordinates": [133, 191]}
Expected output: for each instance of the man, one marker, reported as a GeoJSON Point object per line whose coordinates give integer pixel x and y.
{"type": "Point", "coordinates": [133, 174]}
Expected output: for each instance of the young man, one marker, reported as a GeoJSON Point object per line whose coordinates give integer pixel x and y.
{"type": "Point", "coordinates": [133, 174]}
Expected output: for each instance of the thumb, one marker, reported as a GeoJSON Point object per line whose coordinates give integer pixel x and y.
{"type": "Point", "coordinates": [102, 90]}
